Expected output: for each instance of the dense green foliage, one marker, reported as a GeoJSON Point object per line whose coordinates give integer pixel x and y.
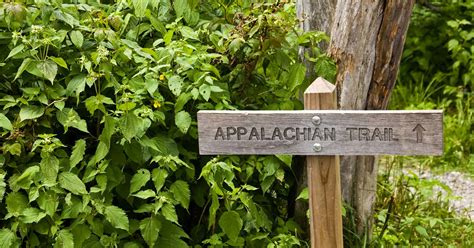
{"type": "Point", "coordinates": [412, 211]}
{"type": "Point", "coordinates": [437, 71]}
{"type": "Point", "coordinates": [98, 122]}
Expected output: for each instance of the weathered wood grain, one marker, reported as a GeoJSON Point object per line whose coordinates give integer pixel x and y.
{"type": "Point", "coordinates": [324, 179]}
{"type": "Point", "coordinates": [355, 132]}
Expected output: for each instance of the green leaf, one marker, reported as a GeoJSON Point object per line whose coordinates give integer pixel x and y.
{"type": "Point", "coordinates": [31, 112]}
{"type": "Point", "coordinates": [296, 76]}
{"type": "Point", "coordinates": [145, 194]}
{"type": "Point", "coordinates": [181, 192]}
{"type": "Point", "coordinates": [159, 176]}
{"type": "Point", "coordinates": [3, 185]}
{"type": "Point", "coordinates": [49, 166]}
{"type": "Point", "coordinates": [5, 122]}
{"type": "Point", "coordinates": [231, 223]}
{"type": "Point", "coordinates": [183, 121]}
{"type": "Point", "coordinates": [77, 153]}
{"type": "Point", "coordinates": [64, 239]}
{"type": "Point", "coordinates": [49, 69]}
{"type": "Point", "coordinates": [32, 215]}
{"type": "Point", "coordinates": [117, 217]}
{"type": "Point", "coordinates": [169, 212]}
{"type": "Point", "coordinates": [175, 83]}
{"type": "Point", "coordinates": [181, 101]}
{"type": "Point", "coordinates": [7, 238]}
{"type": "Point", "coordinates": [205, 91]}
{"type": "Point", "coordinates": [48, 202]}
{"type": "Point", "coordinates": [150, 228]}
{"type": "Point", "coordinates": [70, 118]}
{"type": "Point", "coordinates": [59, 61]}
{"type": "Point", "coordinates": [81, 233]}
{"type": "Point", "coordinates": [25, 180]}
{"type": "Point", "coordinates": [304, 194]}
{"type": "Point", "coordinates": [139, 180]}
{"type": "Point", "coordinates": [77, 38]}
{"type": "Point", "coordinates": [77, 84]}
{"type": "Point", "coordinates": [16, 202]}
{"type": "Point", "coordinates": [15, 51]}
{"type": "Point", "coordinates": [26, 62]}
{"type": "Point", "coordinates": [72, 183]}
{"type": "Point", "coordinates": [132, 126]}
{"type": "Point", "coordinates": [422, 231]}
{"type": "Point", "coordinates": [140, 7]}
{"type": "Point", "coordinates": [285, 159]}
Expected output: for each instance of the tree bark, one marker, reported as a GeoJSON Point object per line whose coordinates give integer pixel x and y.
{"type": "Point", "coordinates": [367, 40]}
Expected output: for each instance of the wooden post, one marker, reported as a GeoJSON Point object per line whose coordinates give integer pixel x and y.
{"type": "Point", "coordinates": [324, 183]}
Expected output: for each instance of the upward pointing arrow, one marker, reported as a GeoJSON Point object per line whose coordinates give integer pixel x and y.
{"type": "Point", "coordinates": [419, 132]}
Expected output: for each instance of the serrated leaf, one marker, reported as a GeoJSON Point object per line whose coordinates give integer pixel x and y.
{"type": "Point", "coordinates": [169, 212]}
{"type": "Point", "coordinates": [175, 83]}
{"type": "Point", "coordinates": [81, 233]}
{"type": "Point", "coordinates": [145, 194]}
{"type": "Point", "coordinates": [139, 180]}
{"type": "Point", "coordinates": [150, 228]}
{"type": "Point", "coordinates": [181, 192]}
{"type": "Point", "coordinates": [59, 61]}
{"type": "Point", "coordinates": [68, 117]}
{"type": "Point", "coordinates": [183, 121]}
{"type": "Point", "coordinates": [7, 238]}
{"type": "Point", "coordinates": [117, 217]}
{"type": "Point", "coordinates": [5, 122]}
{"type": "Point", "coordinates": [32, 215]}
{"type": "Point", "coordinates": [49, 167]}
{"type": "Point", "coordinates": [140, 7]}
{"type": "Point", "coordinates": [16, 202]}
{"type": "Point", "coordinates": [231, 223]}
{"type": "Point", "coordinates": [77, 84]}
{"type": "Point", "coordinates": [77, 153]}
{"type": "Point", "coordinates": [77, 38]}
{"type": "Point", "coordinates": [49, 69]}
{"type": "Point", "coordinates": [159, 176]}
{"type": "Point", "coordinates": [72, 183]}
{"type": "Point", "coordinates": [64, 239]}
{"type": "Point", "coordinates": [31, 112]}
{"type": "Point", "coordinates": [132, 126]}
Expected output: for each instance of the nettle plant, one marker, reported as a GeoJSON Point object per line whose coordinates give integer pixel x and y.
{"type": "Point", "coordinates": [98, 122]}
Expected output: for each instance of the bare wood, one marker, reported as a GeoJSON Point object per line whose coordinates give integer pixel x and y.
{"type": "Point", "coordinates": [324, 184]}
{"type": "Point", "coordinates": [390, 40]}
{"type": "Point", "coordinates": [366, 41]}
{"type": "Point", "coordinates": [348, 132]}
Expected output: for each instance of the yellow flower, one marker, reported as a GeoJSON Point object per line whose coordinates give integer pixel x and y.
{"type": "Point", "coordinates": [156, 104]}
{"type": "Point", "coordinates": [162, 77]}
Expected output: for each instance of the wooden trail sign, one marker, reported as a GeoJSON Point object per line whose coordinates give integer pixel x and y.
{"type": "Point", "coordinates": [319, 132]}
{"type": "Point", "coordinates": [330, 132]}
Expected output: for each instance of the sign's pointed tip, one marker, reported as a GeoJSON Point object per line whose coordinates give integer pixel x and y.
{"type": "Point", "coordinates": [320, 85]}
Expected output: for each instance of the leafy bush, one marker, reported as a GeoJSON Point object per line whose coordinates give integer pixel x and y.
{"type": "Point", "coordinates": [98, 122]}
{"type": "Point", "coordinates": [437, 72]}
{"type": "Point", "coordinates": [412, 211]}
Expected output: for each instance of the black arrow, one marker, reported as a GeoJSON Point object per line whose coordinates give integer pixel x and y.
{"type": "Point", "coordinates": [419, 133]}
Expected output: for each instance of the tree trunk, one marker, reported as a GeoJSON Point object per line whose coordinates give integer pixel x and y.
{"type": "Point", "coordinates": [367, 40]}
